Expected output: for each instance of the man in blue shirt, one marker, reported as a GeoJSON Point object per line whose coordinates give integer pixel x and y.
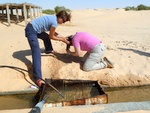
{"type": "Point", "coordinates": [37, 29]}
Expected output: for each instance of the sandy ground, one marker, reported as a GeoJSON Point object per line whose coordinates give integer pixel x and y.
{"type": "Point", "coordinates": [126, 35]}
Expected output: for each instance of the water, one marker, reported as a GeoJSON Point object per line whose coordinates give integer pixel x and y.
{"type": "Point", "coordinates": [128, 94]}
{"type": "Point", "coordinates": [73, 90]}
{"type": "Point", "coordinates": [115, 95]}
{"type": "Point", "coordinates": [19, 101]}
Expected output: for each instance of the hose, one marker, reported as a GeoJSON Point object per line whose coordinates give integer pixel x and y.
{"type": "Point", "coordinates": [17, 68]}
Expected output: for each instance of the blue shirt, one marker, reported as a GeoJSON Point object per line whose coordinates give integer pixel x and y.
{"type": "Point", "coordinates": [44, 23]}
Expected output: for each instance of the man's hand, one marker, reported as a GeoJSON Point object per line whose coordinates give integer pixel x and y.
{"type": "Point", "coordinates": [65, 40]}
{"type": "Point", "coordinates": [39, 82]}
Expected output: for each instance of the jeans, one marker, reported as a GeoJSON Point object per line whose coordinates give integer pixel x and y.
{"type": "Point", "coordinates": [93, 59]}
{"type": "Point", "coordinates": [32, 37]}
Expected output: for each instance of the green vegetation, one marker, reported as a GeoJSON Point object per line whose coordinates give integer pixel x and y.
{"type": "Point", "coordinates": [56, 10]}
{"type": "Point", "coordinates": [60, 8]}
{"type": "Point", "coordinates": [48, 11]}
{"type": "Point", "coordinates": [138, 8]}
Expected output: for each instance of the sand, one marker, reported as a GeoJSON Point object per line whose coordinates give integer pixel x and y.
{"type": "Point", "coordinates": [125, 33]}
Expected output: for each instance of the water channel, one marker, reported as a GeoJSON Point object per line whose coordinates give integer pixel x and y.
{"type": "Point", "coordinates": [115, 95]}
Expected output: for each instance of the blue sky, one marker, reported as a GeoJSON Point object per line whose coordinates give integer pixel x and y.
{"type": "Point", "coordinates": [81, 4]}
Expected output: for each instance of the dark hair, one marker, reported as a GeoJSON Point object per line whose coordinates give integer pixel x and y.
{"type": "Point", "coordinates": [70, 40]}
{"type": "Point", "coordinates": [64, 15]}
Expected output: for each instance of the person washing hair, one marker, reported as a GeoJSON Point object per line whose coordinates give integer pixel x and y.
{"type": "Point", "coordinates": [37, 29]}
{"type": "Point", "coordinates": [93, 60]}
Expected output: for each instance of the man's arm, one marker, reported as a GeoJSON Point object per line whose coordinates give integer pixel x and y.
{"type": "Point", "coordinates": [53, 35]}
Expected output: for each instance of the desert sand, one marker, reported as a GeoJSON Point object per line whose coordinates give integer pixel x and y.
{"type": "Point", "coordinates": [126, 34]}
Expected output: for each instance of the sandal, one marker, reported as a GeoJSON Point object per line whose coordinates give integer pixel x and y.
{"type": "Point", "coordinates": [109, 64]}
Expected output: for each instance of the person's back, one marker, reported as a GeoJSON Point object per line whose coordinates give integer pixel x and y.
{"type": "Point", "coordinates": [85, 40]}
{"type": "Point", "coordinates": [44, 23]}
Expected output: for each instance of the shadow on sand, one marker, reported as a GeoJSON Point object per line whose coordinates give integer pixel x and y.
{"type": "Point", "coordinates": [136, 51]}
{"type": "Point", "coordinates": [21, 55]}
{"type": "Point", "coordinates": [66, 58]}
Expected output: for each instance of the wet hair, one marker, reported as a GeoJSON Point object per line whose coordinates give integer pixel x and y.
{"type": "Point", "coordinates": [64, 15]}
{"type": "Point", "coordinates": [70, 40]}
